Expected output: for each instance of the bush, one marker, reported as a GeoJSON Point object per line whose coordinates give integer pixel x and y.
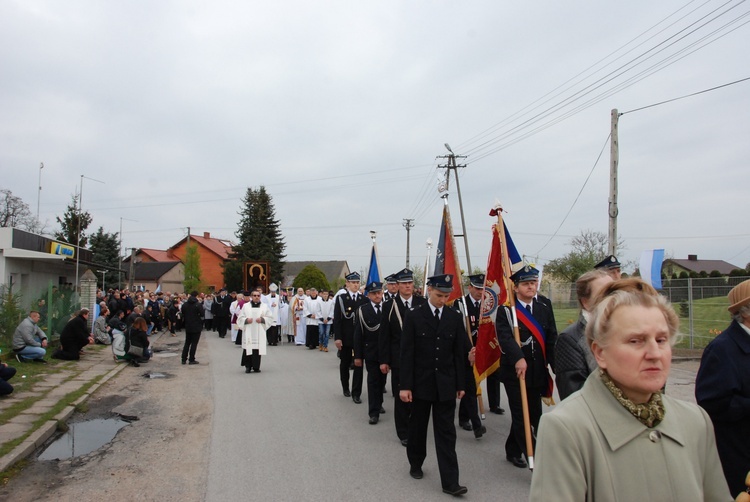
{"type": "Point", "coordinates": [10, 316]}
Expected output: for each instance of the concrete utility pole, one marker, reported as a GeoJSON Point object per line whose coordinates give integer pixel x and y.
{"type": "Point", "coordinates": [451, 165]}
{"type": "Point", "coordinates": [408, 225]}
{"type": "Point", "coordinates": [132, 269]}
{"type": "Point", "coordinates": [614, 161]}
{"type": "Point", "coordinates": [39, 192]}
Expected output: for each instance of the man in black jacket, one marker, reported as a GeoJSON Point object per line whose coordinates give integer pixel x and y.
{"type": "Point", "coordinates": [220, 310]}
{"type": "Point", "coordinates": [529, 361]}
{"type": "Point", "coordinates": [366, 329]}
{"type": "Point", "coordinates": [433, 350]}
{"type": "Point", "coordinates": [394, 313]}
{"type": "Point", "coordinates": [343, 327]}
{"type": "Point", "coordinates": [192, 318]}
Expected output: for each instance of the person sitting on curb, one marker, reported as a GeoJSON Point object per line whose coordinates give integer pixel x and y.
{"type": "Point", "coordinates": [29, 341]}
{"type": "Point", "coordinates": [6, 373]}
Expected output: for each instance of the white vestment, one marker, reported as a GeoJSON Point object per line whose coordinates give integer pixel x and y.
{"type": "Point", "coordinates": [297, 310]}
{"type": "Point", "coordinates": [254, 333]}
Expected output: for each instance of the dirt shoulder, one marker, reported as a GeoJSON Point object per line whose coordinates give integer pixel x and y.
{"type": "Point", "coordinates": [163, 455]}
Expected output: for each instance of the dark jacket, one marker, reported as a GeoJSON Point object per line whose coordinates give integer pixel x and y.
{"type": "Point", "coordinates": [366, 330]}
{"type": "Point", "coordinates": [432, 354]}
{"type": "Point", "coordinates": [136, 337]}
{"type": "Point", "coordinates": [220, 306]}
{"type": "Point", "coordinates": [536, 374]}
{"type": "Point", "coordinates": [574, 361]}
{"type": "Point", "coordinates": [722, 388]}
{"type": "Point", "coordinates": [192, 315]}
{"type": "Point", "coordinates": [75, 335]}
{"type": "Point", "coordinates": [343, 318]}
{"type": "Point", "coordinates": [391, 329]}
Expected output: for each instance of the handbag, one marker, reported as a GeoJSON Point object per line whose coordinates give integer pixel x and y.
{"type": "Point", "coordinates": [135, 350]}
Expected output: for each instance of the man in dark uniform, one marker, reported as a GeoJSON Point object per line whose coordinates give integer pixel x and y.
{"type": "Point", "coordinates": [395, 311]}
{"type": "Point", "coordinates": [527, 361]}
{"type": "Point", "coordinates": [220, 311]}
{"type": "Point", "coordinates": [433, 350]}
{"type": "Point", "coordinates": [611, 265]}
{"type": "Point", "coordinates": [343, 326]}
{"type": "Point", "coordinates": [468, 412]}
{"type": "Point", "coordinates": [391, 288]}
{"type": "Point", "coordinates": [366, 329]}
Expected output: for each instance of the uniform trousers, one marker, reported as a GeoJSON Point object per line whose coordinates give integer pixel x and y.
{"type": "Point", "coordinates": [347, 356]}
{"type": "Point", "coordinates": [493, 389]}
{"type": "Point", "coordinates": [374, 388]}
{"type": "Point", "coordinates": [401, 409]}
{"type": "Point", "coordinates": [468, 410]}
{"type": "Point", "coordinates": [516, 442]}
{"type": "Point", "coordinates": [221, 324]}
{"type": "Point", "coordinates": [443, 415]}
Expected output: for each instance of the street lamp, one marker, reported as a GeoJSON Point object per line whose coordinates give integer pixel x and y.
{"type": "Point", "coordinates": [78, 238]}
{"type": "Point", "coordinates": [39, 193]}
{"type": "Point", "coordinates": [104, 283]}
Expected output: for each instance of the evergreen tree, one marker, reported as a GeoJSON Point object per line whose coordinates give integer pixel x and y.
{"type": "Point", "coordinates": [311, 277]}
{"type": "Point", "coordinates": [259, 237]}
{"type": "Point", "coordinates": [192, 281]}
{"type": "Point", "coordinates": [69, 224]}
{"type": "Point", "coordinates": [105, 247]}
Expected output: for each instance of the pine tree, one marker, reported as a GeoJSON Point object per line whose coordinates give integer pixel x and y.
{"type": "Point", "coordinates": [105, 247]}
{"type": "Point", "coordinates": [69, 224]}
{"type": "Point", "coordinates": [259, 237]}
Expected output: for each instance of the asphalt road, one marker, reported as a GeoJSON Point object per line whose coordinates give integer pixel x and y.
{"type": "Point", "coordinates": [288, 433]}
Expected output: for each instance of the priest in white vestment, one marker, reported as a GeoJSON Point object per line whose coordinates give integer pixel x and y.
{"type": "Point", "coordinates": [254, 319]}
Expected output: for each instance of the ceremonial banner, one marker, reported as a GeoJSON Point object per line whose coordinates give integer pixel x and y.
{"type": "Point", "coordinates": [445, 257]}
{"type": "Point", "coordinates": [650, 267]}
{"type": "Point", "coordinates": [495, 294]}
{"type": "Point", "coordinates": [373, 274]}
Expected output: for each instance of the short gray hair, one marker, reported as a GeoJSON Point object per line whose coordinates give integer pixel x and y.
{"type": "Point", "coordinates": [742, 314]}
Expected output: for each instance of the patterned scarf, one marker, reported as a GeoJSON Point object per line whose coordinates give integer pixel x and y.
{"type": "Point", "coordinates": [649, 414]}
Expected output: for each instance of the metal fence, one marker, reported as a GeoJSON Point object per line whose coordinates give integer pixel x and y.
{"type": "Point", "coordinates": [701, 304]}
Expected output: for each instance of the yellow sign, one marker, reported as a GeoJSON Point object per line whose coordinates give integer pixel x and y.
{"type": "Point", "coordinates": [61, 249]}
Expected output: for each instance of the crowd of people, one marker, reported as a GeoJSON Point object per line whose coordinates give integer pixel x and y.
{"type": "Point", "coordinates": [615, 423]}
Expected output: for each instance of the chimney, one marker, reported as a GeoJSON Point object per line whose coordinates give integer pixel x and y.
{"type": "Point", "coordinates": [692, 257]}
{"type": "Point", "coordinates": [206, 235]}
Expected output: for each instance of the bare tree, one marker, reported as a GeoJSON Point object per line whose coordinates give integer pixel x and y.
{"type": "Point", "coordinates": [14, 212]}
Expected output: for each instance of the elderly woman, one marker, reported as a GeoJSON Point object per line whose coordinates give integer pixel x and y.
{"type": "Point", "coordinates": [101, 329]}
{"type": "Point", "coordinates": [573, 357]}
{"type": "Point", "coordinates": [619, 438]}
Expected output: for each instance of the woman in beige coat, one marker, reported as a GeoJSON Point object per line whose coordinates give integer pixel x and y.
{"type": "Point", "coordinates": [619, 438]}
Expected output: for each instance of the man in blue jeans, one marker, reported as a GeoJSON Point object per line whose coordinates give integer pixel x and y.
{"type": "Point", "coordinates": [29, 341]}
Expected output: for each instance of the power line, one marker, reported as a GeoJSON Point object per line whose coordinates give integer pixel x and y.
{"type": "Point", "coordinates": [687, 96]}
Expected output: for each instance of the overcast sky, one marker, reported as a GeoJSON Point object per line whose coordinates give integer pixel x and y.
{"type": "Point", "coordinates": [341, 108]}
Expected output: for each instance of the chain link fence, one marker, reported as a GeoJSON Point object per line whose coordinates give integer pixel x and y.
{"type": "Point", "coordinates": [701, 304]}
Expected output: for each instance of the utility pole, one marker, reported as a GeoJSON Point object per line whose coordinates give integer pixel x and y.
{"type": "Point", "coordinates": [132, 269]}
{"type": "Point", "coordinates": [451, 165]}
{"type": "Point", "coordinates": [39, 192]}
{"type": "Point", "coordinates": [614, 161]}
{"type": "Point", "coordinates": [408, 225]}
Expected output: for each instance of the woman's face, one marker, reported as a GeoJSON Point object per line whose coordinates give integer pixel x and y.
{"type": "Point", "coordinates": [637, 354]}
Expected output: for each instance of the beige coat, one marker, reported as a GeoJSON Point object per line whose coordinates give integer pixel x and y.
{"type": "Point", "coordinates": [591, 448]}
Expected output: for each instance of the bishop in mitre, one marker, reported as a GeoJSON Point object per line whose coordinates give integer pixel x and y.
{"type": "Point", "coordinates": [254, 319]}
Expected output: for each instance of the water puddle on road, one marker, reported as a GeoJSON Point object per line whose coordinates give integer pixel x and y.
{"type": "Point", "coordinates": [156, 374]}
{"type": "Point", "coordinates": [83, 438]}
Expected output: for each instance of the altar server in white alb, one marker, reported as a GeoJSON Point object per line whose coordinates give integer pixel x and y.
{"type": "Point", "coordinates": [273, 300]}
{"type": "Point", "coordinates": [254, 319]}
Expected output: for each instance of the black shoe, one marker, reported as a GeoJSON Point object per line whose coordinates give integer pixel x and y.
{"type": "Point", "coordinates": [356, 399]}
{"type": "Point", "coordinates": [478, 433]}
{"type": "Point", "coordinates": [134, 363]}
{"type": "Point", "coordinates": [374, 420]}
{"type": "Point", "coordinates": [184, 361]}
{"type": "Point", "coordinates": [416, 473]}
{"type": "Point", "coordinates": [257, 370]}
{"type": "Point", "coordinates": [40, 361]}
{"type": "Point", "coordinates": [347, 393]}
{"type": "Point", "coordinates": [248, 370]}
{"type": "Point", "coordinates": [20, 359]}
{"type": "Point", "coordinates": [517, 461]}
{"type": "Point", "coordinates": [466, 426]}
{"type": "Point", "coordinates": [404, 442]}
{"type": "Point", "coordinates": [497, 411]}
{"type": "Point", "coordinates": [382, 410]}
{"type": "Point", "coordinates": [455, 490]}
{"type": "Point", "coordinates": [193, 362]}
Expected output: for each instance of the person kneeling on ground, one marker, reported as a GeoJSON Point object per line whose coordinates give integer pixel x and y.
{"type": "Point", "coordinates": [101, 329]}
{"type": "Point", "coordinates": [6, 373]}
{"type": "Point", "coordinates": [74, 337]}
{"type": "Point", "coordinates": [29, 341]}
